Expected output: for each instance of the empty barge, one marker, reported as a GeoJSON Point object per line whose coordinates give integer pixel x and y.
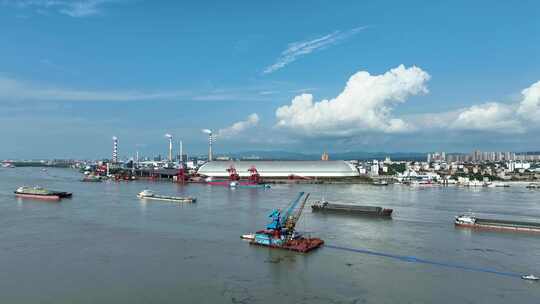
{"type": "Point", "coordinates": [471, 221]}
{"type": "Point", "coordinates": [351, 209]}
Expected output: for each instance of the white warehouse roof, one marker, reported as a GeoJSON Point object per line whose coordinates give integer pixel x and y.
{"type": "Point", "coordinates": [331, 168]}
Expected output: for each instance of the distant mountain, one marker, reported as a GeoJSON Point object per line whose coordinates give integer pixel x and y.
{"type": "Point", "coordinates": [357, 155]}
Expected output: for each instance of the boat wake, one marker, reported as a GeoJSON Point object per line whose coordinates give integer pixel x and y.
{"type": "Point", "coordinates": [413, 259]}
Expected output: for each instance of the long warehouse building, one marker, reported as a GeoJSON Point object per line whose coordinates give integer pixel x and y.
{"type": "Point", "coordinates": [283, 169]}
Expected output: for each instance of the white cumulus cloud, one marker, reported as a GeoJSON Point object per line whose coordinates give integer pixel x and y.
{"type": "Point", "coordinates": [238, 127]}
{"type": "Point", "coordinates": [491, 116]}
{"type": "Point", "coordinates": [302, 48]}
{"type": "Point", "coordinates": [529, 107]}
{"type": "Point", "coordinates": [365, 104]}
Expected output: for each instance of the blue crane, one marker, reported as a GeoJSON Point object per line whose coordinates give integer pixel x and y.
{"type": "Point", "coordinates": [279, 220]}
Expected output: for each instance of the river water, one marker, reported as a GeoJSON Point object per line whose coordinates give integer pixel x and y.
{"type": "Point", "coordinates": [106, 246]}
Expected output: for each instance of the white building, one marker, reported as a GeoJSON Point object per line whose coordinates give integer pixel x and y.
{"type": "Point", "coordinates": [329, 168]}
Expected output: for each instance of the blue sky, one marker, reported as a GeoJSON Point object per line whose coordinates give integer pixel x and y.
{"type": "Point", "coordinates": [451, 76]}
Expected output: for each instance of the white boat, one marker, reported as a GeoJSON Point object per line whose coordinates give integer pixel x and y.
{"type": "Point", "coordinates": [148, 194]}
{"type": "Point", "coordinates": [474, 183]}
{"type": "Point", "coordinates": [465, 219]}
{"type": "Point", "coordinates": [249, 236]}
{"type": "Point", "coordinates": [533, 186]}
{"type": "Point", "coordinates": [530, 277]}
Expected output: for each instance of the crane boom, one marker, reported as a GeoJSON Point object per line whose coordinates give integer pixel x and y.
{"type": "Point", "coordinates": [291, 221]}
{"type": "Point", "coordinates": [291, 207]}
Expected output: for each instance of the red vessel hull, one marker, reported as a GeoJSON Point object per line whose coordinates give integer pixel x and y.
{"type": "Point", "coordinates": [39, 197]}
{"type": "Point", "coordinates": [300, 245]}
{"type": "Point", "coordinates": [228, 183]}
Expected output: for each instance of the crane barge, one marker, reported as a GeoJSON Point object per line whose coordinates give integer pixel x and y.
{"type": "Point", "coordinates": [281, 232]}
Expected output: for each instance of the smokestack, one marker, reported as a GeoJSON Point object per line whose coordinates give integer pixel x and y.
{"type": "Point", "coordinates": [170, 137]}
{"type": "Point", "coordinates": [210, 147]}
{"type": "Point", "coordinates": [181, 152]}
{"type": "Point", "coordinates": [210, 139]}
{"type": "Point", "coordinates": [115, 150]}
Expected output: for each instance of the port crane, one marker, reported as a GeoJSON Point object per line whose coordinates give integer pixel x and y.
{"type": "Point", "coordinates": [254, 177]}
{"type": "Point", "coordinates": [286, 223]}
{"type": "Point", "coordinates": [281, 234]}
{"type": "Point", "coordinates": [233, 175]}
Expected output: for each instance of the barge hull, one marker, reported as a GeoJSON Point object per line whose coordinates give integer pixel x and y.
{"type": "Point", "coordinates": [185, 200]}
{"type": "Point", "coordinates": [351, 209]}
{"type": "Point", "coordinates": [40, 197]}
{"type": "Point", "coordinates": [299, 245]}
{"type": "Point", "coordinates": [502, 225]}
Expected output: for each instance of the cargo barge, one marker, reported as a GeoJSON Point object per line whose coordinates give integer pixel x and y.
{"type": "Point", "coordinates": [471, 221]}
{"type": "Point", "coordinates": [147, 194]}
{"type": "Point", "coordinates": [351, 209]}
{"type": "Point", "coordinates": [41, 193]}
{"type": "Point", "coordinates": [281, 233]}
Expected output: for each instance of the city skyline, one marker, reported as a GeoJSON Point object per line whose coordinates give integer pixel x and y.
{"type": "Point", "coordinates": [354, 77]}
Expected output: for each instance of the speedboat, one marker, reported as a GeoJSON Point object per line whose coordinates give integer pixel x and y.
{"type": "Point", "coordinates": [530, 277]}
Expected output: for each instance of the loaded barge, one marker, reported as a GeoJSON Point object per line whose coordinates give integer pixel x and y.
{"type": "Point", "coordinates": [147, 194]}
{"type": "Point", "coordinates": [281, 233]}
{"type": "Point", "coordinates": [351, 209]}
{"type": "Point", "coordinates": [471, 221]}
{"type": "Point", "coordinates": [41, 193]}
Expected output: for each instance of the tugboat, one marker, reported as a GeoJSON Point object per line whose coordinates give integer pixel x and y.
{"type": "Point", "coordinates": [148, 194]}
{"type": "Point", "coordinates": [41, 193]}
{"type": "Point", "coordinates": [281, 233]}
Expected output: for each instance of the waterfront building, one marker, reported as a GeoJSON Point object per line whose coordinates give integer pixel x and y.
{"type": "Point", "coordinates": [281, 169]}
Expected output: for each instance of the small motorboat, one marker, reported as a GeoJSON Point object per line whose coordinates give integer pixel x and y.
{"type": "Point", "coordinates": [380, 182]}
{"type": "Point", "coordinates": [249, 236]}
{"type": "Point", "coordinates": [530, 277]}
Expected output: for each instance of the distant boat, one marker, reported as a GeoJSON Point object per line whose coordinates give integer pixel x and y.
{"type": "Point", "coordinates": [530, 277]}
{"type": "Point", "coordinates": [91, 178]}
{"type": "Point", "coordinates": [380, 182]}
{"type": "Point", "coordinates": [533, 186]}
{"type": "Point", "coordinates": [474, 183]}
